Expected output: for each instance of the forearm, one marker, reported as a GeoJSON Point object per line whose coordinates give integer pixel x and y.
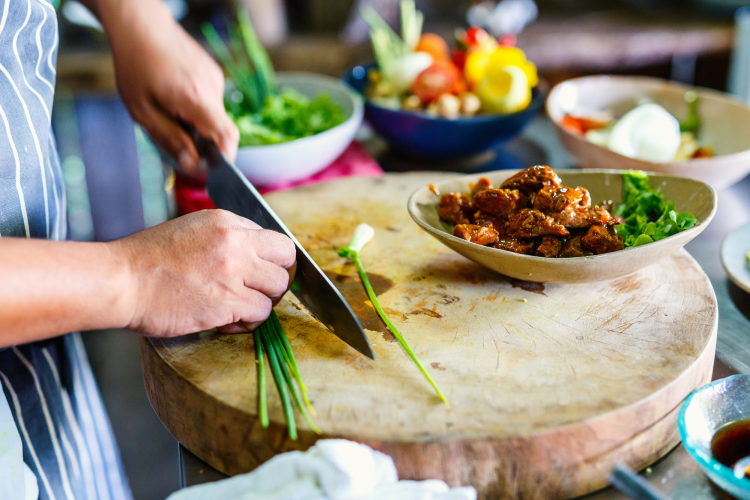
{"type": "Point", "coordinates": [51, 288]}
{"type": "Point", "coordinates": [117, 16]}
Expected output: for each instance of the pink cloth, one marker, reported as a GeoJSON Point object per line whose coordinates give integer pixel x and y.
{"type": "Point", "coordinates": [190, 194]}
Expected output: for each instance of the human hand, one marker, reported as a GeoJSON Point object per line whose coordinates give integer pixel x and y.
{"type": "Point", "coordinates": [165, 77]}
{"type": "Point", "coordinates": [204, 270]}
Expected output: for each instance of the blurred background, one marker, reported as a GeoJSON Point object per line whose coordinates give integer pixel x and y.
{"type": "Point", "coordinates": [116, 183]}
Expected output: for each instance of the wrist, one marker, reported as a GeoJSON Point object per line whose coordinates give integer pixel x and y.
{"type": "Point", "coordinates": [125, 283]}
{"type": "Point", "coordinates": [122, 19]}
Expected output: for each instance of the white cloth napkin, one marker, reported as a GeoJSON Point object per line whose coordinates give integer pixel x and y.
{"type": "Point", "coordinates": [333, 469]}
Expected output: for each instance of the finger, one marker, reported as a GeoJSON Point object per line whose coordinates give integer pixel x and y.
{"type": "Point", "coordinates": [292, 273]}
{"type": "Point", "coordinates": [229, 141]}
{"type": "Point", "coordinates": [234, 328]}
{"type": "Point", "coordinates": [292, 270]}
{"type": "Point", "coordinates": [267, 278]}
{"type": "Point", "coordinates": [254, 308]}
{"type": "Point", "coordinates": [172, 137]}
{"type": "Point", "coordinates": [206, 113]}
{"type": "Point", "coordinates": [275, 247]}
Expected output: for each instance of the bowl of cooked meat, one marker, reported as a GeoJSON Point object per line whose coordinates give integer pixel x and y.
{"type": "Point", "coordinates": [569, 226]}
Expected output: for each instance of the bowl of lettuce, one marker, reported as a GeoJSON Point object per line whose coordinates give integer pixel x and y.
{"type": "Point", "coordinates": [300, 130]}
{"type": "Point", "coordinates": [291, 125]}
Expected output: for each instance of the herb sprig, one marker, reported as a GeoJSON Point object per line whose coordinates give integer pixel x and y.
{"type": "Point", "coordinates": [362, 235]}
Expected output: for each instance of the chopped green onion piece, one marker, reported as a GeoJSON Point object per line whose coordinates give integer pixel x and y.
{"type": "Point", "coordinates": [362, 235]}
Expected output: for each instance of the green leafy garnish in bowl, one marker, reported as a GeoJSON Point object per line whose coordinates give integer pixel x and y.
{"type": "Point", "coordinates": [286, 116]}
{"type": "Point", "coordinates": [648, 216]}
{"type": "Point", "coordinates": [263, 113]}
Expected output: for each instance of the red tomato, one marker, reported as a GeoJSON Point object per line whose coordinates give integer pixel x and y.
{"type": "Point", "coordinates": [434, 45]}
{"type": "Point", "coordinates": [474, 36]}
{"type": "Point", "coordinates": [458, 57]}
{"type": "Point", "coordinates": [443, 77]}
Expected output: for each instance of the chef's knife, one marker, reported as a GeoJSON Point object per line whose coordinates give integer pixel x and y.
{"type": "Point", "coordinates": [231, 190]}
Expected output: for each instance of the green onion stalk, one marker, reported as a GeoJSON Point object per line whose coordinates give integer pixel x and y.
{"type": "Point", "coordinates": [362, 235]}
{"type": "Point", "coordinates": [270, 337]}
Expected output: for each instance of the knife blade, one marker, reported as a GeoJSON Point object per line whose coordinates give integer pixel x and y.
{"type": "Point", "coordinates": [231, 190]}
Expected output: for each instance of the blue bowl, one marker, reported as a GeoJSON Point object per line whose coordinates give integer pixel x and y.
{"type": "Point", "coordinates": [421, 135]}
{"type": "Point", "coordinates": [706, 411]}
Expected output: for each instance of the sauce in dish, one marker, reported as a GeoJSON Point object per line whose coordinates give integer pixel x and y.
{"type": "Point", "coordinates": [731, 443]}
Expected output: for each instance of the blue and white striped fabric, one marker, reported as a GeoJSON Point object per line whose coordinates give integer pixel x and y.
{"type": "Point", "coordinates": [66, 436]}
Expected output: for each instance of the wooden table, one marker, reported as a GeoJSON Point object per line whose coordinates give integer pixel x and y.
{"type": "Point", "coordinates": [675, 474]}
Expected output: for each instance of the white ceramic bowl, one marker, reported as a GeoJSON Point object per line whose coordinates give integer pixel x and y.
{"type": "Point", "coordinates": [725, 121]}
{"type": "Point", "coordinates": [301, 158]}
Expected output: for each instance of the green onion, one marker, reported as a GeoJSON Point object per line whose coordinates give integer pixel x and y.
{"type": "Point", "coordinates": [362, 235]}
{"type": "Point", "coordinates": [291, 361]}
{"type": "Point", "coordinates": [258, 55]}
{"type": "Point", "coordinates": [271, 337]}
{"type": "Point", "coordinates": [262, 403]}
{"type": "Point", "coordinates": [278, 377]}
{"type": "Point", "coordinates": [245, 60]}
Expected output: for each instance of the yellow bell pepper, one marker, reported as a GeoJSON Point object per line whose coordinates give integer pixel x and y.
{"type": "Point", "coordinates": [479, 61]}
{"type": "Point", "coordinates": [504, 90]}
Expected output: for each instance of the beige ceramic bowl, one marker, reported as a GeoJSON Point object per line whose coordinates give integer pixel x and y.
{"type": "Point", "coordinates": [688, 195]}
{"type": "Point", "coordinates": [725, 124]}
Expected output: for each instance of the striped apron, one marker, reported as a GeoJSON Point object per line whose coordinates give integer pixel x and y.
{"type": "Point", "coordinates": [49, 387]}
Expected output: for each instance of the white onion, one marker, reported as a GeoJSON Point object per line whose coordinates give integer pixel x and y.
{"type": "Point", "coordinates": [403, 70]}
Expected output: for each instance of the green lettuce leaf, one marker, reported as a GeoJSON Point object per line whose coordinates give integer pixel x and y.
{"type": "Point", "coordinates": [286, 116]}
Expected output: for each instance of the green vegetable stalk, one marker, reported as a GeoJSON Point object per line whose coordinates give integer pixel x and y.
{"type": "Point", "coordinates": [362, 235]}
{"type": "Point", "coordinates": [648, 216]}
{"type": "Point", "coordinates": [271, 337]}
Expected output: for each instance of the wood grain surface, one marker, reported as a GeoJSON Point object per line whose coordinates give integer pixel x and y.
{"type": "Point", "coordinates": [549, 386]}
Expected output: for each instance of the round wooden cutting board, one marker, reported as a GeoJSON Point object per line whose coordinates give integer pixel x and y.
{"type": "Point", "coordinates": [550, 386]}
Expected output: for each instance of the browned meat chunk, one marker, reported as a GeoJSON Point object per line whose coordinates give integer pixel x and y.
{"type": "Point", "coordinates": [482, 219]}
{"type": "Point", "coordinates": [530, 223]}
{"type": "Point", "coordinates": [455, 208]}
{"type": "Point", "coordinates": [513, 245]}
{"type": "Point", "coordinates": [585, 197]}
{"type": "Point", "coordinates": [551, 199]}
{"type": "Point", "coordinates": [573, 248]}
{"type": "Point", "coordinates": [600, 239]}
{"type": "Point", "coordinates": [482, 184]}
{"type": "Point", "coordinates": [499, 202]}
{"type": "Point", "coordinates": [574, 217]}
{"type": "Point", "coordinates": [533, 179]}
{"type": "Point", "coordinates": [481, 235]}
{"type": "Point", "coordinates": [550, 246]}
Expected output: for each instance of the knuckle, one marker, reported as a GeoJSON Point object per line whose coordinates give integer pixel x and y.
{"type": "Point", "coordinates": [223, 218]}
{"type": "Point", "coordinates": [193, 91]}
